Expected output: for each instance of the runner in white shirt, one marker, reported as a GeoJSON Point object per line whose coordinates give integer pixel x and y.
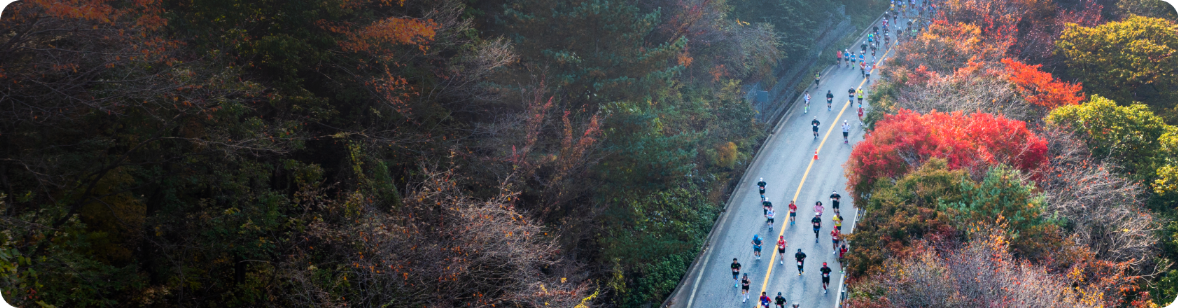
{"type": "Point", "coordinates": [846, 131]}
{"type": "Point", "coordinates": [769, 218]}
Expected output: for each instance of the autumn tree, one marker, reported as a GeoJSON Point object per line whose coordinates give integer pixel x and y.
{"type": "Point", "coordinates": [1147, 8]}
{"type": "Point", "coordinates": [900, 214]}
{"type": "Point", "coordinates": [944, 47]}
{"type": "Point", "coordinates": [441, 248]}
{"type": "Point", "coordinates": [1040, 88]}
{"type": "Point", "coordinates": [1097, 208]}
{"type": "Point", "coordinates": [718, 47]}
{"type": "Point", "coordinates": [161, 154]}
{"type": "Point", "coordinates": [566, 36]}
{"type": "Point", "coordinates": [981, 272]}
{"type": "Point", "coordinates": [1128, 135]}
{"type": "Point", "coordinates": [1126, 61]}
{"type": "Point", "coordinates": [906, 140]}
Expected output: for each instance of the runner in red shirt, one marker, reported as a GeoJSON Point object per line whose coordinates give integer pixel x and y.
{"type": "Point", "coordinates": [834, 237]}
{"type": "Point", "coordinates": [781, 248]}
{"type": "Point", "coordinates": [793, 212]}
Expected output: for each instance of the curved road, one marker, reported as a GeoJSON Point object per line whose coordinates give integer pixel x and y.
{"type": "Point", "coordinates": [786, 163]}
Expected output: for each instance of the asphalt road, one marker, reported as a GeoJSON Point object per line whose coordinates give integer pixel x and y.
{"type": "Point", "coordinates": [787, 164]}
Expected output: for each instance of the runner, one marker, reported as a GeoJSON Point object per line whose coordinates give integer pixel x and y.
{"type": "Point", "coordinates": [769, 217]}
{"type": "Point", "coordinates": [744, 287]}
{"type": "Point", "coordinates": [764, 300]}
{"type": "Point", "coordinates": [781, 248]}
{"type": "Point", "coordinates": [863, 69]}
{"type": "Point", "coordinates": [801, 257]}
{"type": "Point", "coordinates": [835, 198]}
{"type": "Point", "coordinates": [780, 300]}
{"type": "Point", "coordinates": [859, 95]}
{"type": "Point", "coordinates": [757, 246]}
{"type": "Point", "coordinates": [815, 124]}
{"type": "Point", "coordinates": [869, 67]}
{"type": "Point", "coordinates": [817, 222]}
{"type": "Point", "coordinates": [846, 132]}
{"type": "Point", "coordinates": [761, 186]}
{"type": "Point", "coordinates": [838, 222]}
{"type": "Point", "coordinates": [842, 256]}
{"type": "Point", "coordinates": [818, 208]}
{"type": "Point", "coordinates": [825, 277]}
{"type": "Point", "coordinates": [793, 212]}
{"type": "Point", "coordinates": [834, 238]}
{"type": "Point", "coordinates": [860, 114]}
{"type": "Point", "coordinates": [735, 273]}
{"type": "Point", "coordinates": [816, 78]}
{"type": "Point", "coordinates": [838, 58]}
{"type": "Point", "coordinates": [851, 95]}
{"type": "Point", "coordinates": [766, 206]}
{"type": "Point", "coordinates": [829, 98]}
{"type": "Point", "coordinates": [807, 97]}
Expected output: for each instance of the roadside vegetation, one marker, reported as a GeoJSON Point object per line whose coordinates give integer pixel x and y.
{"type": "Point", "coordinates": [1020, 149]}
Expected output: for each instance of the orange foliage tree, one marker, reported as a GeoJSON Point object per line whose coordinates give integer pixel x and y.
{"type": "Point", "coordinates": [946, 46]}
{"type": "Point", "coordinates": [379, 41]}
{"type": "Point", "coordinates": [1039, 88]}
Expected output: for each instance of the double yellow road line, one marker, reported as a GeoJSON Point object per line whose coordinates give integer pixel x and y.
{"type": "Point", "coordinates": [773, 254]}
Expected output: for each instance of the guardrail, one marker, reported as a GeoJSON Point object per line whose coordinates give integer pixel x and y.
{"type": "Point", "coordinates": [842, 291]}
{"type": "Point", "coordinates": [697, 263]}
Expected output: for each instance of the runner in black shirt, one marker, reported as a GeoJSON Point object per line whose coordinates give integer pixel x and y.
{"type": "Point", "coordinates": [825, 276]}
{"type": "Point", "coordinates": [815, 124]}
{"type": "Point", "coordinates": [801, 257]}
{"type": "Point", "coordinates": [834, 201]}
{"type": "Point", "coordinates": [817, 222]}
{"type": "Point", "coordinates": [744, 287]}
{"type": "Point", "coordinates": [735, 273]}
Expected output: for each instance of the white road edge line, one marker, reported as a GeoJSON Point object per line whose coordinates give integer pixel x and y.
{"type": "Point", "coordinates": [772, 135]}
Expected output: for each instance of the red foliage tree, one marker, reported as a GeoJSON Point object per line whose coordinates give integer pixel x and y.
{"type": "Point", "coordinates": [907, 139]}
{"type": "Point", "coordinates": [1039, 88]}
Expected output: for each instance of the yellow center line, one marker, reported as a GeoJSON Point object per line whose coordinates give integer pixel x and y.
{"type": "Point", "coordinates": [773, 252]}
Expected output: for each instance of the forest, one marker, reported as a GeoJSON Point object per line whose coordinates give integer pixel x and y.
{"type": "Point", "coordinates": [572, 153]}
{"type": "Point", "coordinates": [407, 153]}
{"type": "Point", "coordinates": [1022, 154]}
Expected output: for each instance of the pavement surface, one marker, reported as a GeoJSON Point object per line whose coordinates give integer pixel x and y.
{"type": "Point", "coordinates": [787, 164]}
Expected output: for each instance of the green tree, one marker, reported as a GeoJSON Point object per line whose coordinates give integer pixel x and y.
{"type": "Point", "coordinates": [1130, 135]}
{"type": "Point", "coordinates": [653, 238]}
{"type": "Point", "coordinates": [1135, 59]}
{"type": "Point", "coordinates": [901, 212]}
{"type": "Point", "coordinates": [1006, 199]}
{"type": "Point", "coordinates": [595, 51]}
{"type": "Point", "coordinates": [1167, 173]}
